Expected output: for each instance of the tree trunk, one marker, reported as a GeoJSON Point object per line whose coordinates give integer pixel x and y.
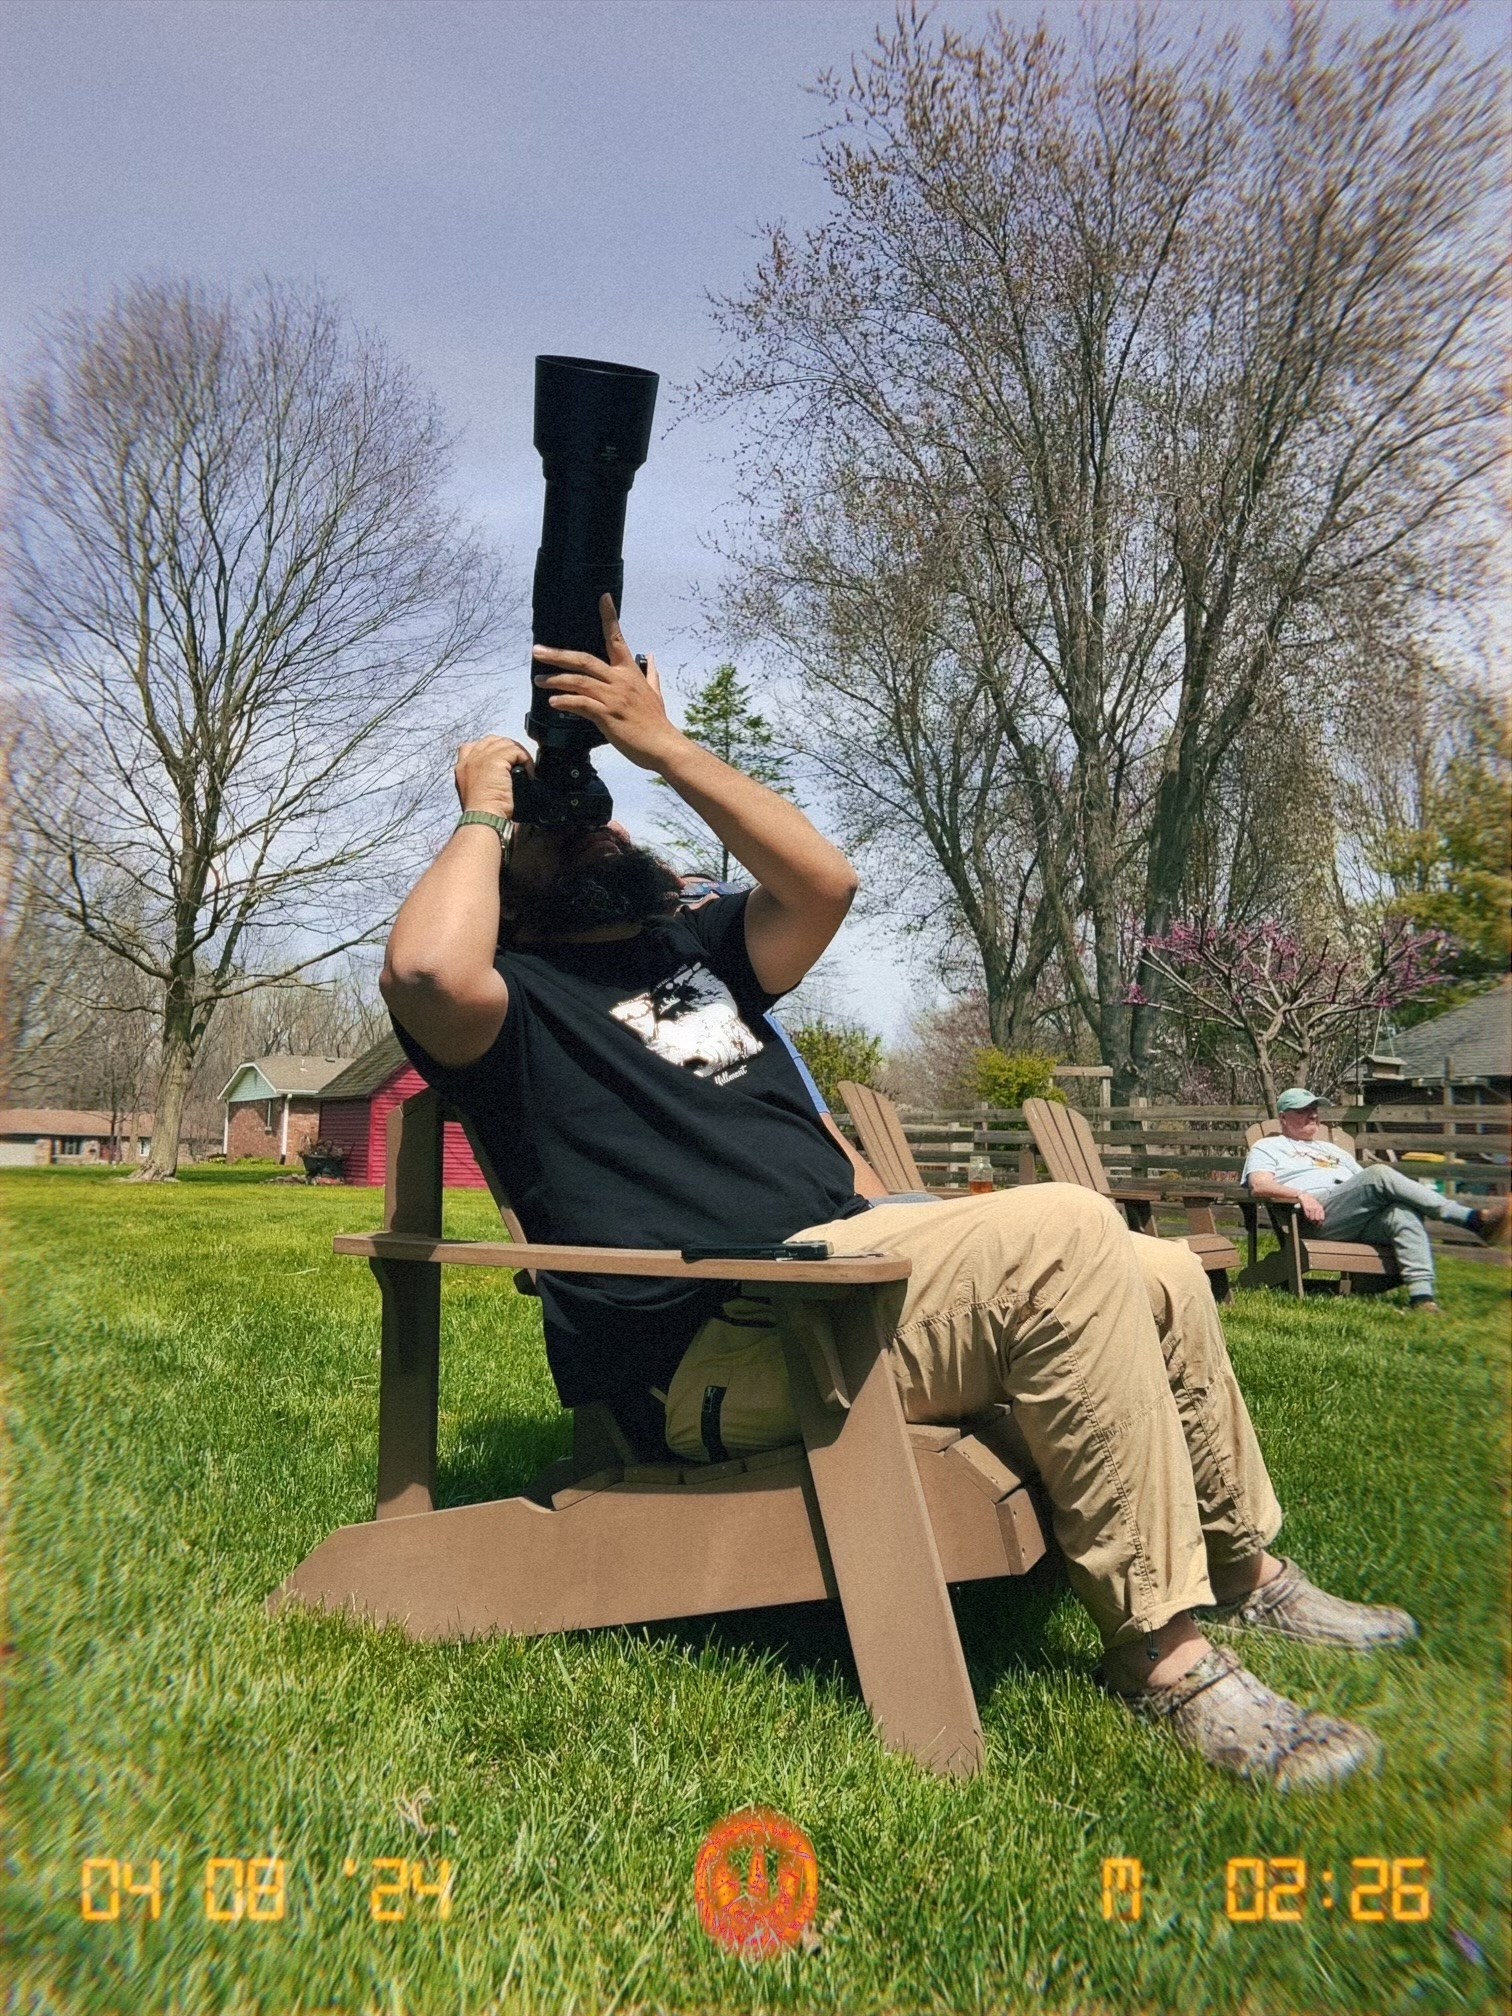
{"type": "Point", "coordinates": [1267, 1078]}
{"type": "Point", "coordinates": [173, 1093]}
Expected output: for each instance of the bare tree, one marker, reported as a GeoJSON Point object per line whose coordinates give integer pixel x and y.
{"type": "Point", "coordinates": [341, 1015]}
{"type": "Point", "coordinates": [238, 602]}
{"type": "Point", "coordinates": [1124, 388]}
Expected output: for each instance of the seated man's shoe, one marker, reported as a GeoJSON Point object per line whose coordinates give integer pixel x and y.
{"type": "Point", "coordinates": [1424, 1305]}
{"type": "Point", "coordinates": [1237, 1723]}
{"type": "Point", "coordinates": [1297, 1608]}
{"type": "Point", "coordinates": [1492, 1223]}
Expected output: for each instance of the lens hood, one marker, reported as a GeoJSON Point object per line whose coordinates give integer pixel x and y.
{"type": "Point", "coordinates": [587, 411]}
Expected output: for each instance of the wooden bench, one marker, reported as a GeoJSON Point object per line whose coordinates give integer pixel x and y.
{"type": "Point", "coordinates": [867, 1509]}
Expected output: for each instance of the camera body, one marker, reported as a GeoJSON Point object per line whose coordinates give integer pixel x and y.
{"type": "Point", "coordinates": [592, 431]}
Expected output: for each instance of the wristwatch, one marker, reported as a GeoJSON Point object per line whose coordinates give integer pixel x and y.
{"type": "Point", "coordinates": [502, 826]}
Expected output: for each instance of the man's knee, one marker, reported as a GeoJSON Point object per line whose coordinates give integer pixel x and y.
{"type": "Point", "coordinates": [1059, 1210]}
{"type": "Point", "coordinates": [1382, 1181]}
{"type": "Point", "coordinates": [1067, 1242]}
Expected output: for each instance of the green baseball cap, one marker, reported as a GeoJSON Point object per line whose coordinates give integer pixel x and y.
{"type": "Point", "coordinates": [1294, 1098]}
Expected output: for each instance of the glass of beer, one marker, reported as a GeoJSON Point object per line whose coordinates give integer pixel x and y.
{"type": "Point", "coordinates": [979, 1175]}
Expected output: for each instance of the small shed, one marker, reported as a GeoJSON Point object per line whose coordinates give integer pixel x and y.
{"type": "Point", "coordinates": [32, 1135]}
{"type": "Point", "coordinates": [273, 1105]}
{"type": "Point", "coordinates": [354, 1110]}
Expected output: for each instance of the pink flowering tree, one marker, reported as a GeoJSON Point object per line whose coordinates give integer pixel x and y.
{"type": "Point", "coordinates": [1282, 997]}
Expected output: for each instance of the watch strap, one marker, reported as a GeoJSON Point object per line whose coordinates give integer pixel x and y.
{"type": "Point", "coordinates": [502, 826]}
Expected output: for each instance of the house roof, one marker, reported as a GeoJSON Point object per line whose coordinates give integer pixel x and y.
{"type": "Point", "coordinates": [281, 1077]}
{"type": "Point", "coordinates": [1473, 1040]}
{"type": "Point", "coordinates": [70, 1120]}
{"type": "Point", "coordinates": [373, 1068]}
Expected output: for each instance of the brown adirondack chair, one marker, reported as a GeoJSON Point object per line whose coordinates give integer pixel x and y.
{"type": "Point", "coordinates": [867, 1508]}
{"type": "Point", "coordinates": [1299, 1251]}
{"type": "Point", "coordinates": [886, 1147]}
{"type": "Point", "coordinates": [1070, 1153]}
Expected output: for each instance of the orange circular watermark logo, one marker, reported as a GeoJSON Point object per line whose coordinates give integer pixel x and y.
{"type": "Point", "coordinates": [755, 1882]}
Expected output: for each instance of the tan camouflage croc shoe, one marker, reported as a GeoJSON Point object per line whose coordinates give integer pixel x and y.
{"type": "Point", "coordinates": [1227, 1716]}
{"type": "Point", "coordinates": [1297, 1608]}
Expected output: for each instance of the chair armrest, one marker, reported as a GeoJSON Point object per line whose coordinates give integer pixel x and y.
{"type": "Point", "coordinates": [855, 1270]}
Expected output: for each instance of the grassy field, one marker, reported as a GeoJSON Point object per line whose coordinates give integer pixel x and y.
{"type": "Point", "coordinates": [191, 1380]}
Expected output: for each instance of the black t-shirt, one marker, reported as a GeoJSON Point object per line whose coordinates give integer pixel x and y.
{"type": "Point", "coordinates": [636, 1097]}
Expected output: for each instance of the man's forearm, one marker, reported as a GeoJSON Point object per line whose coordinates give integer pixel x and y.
{"type": "Point", "coordinates": [766, 832]}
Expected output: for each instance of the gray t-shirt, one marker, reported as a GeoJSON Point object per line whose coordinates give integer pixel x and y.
{"type": "Point", "coordinates": [1316, 1166]}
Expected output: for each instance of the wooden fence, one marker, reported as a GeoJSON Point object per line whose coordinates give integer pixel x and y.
{"type": "Point", "coordinates": [1459, 1149]}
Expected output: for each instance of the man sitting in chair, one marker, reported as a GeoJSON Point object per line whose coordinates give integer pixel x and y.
{"type": "Point", "coordinates": [1381, 1205]}
{"type": "Point", "coordinates": [613, 1057]}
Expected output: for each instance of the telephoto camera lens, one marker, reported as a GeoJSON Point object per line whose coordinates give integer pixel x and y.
{"type": "Point", "coordinates": [592, 430]}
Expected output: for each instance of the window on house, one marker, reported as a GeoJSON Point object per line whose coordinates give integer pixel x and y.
{"type": "Point", "coordinates": [70, 1144]}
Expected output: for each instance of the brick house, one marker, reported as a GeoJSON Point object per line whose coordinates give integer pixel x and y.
{"type": "Point", "coordinates": [273, 1106]}
{"type": "Point", "coordinates": [354, 1110]}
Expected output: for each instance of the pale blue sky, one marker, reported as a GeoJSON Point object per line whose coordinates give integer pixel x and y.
{"type": "Point", "coordinates": [480, 179]}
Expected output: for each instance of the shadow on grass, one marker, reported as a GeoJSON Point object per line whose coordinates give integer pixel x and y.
{"type": "Point", "coordinates": [1002, 1623]}
{"type": "Point", "coordinates": [496, 1455]}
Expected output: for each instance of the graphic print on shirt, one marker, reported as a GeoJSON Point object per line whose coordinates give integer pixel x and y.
{"type": "Point", "coordinates": [691, 1020]}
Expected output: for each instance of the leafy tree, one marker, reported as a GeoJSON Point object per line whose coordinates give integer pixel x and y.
{"type": "Point", "coordinates": [836, 1050]}
{"type": "Point", "coordinates": [720, 716]}
{"type": "Point", "coordinates": [1454, 873]}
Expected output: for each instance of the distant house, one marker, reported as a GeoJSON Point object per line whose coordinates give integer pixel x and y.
{"type": "Point", "coordinates": [1462, 1057]}
{"type": "Point", "coordinates": [30, 1135]}
{"type": "Point", "coordinates": [354, 1110]}
{"type": "Point", "coordinates": [273, 1106]}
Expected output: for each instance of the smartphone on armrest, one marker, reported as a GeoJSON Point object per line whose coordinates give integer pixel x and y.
{"type": "Point", "coordinates": [789, 1249]}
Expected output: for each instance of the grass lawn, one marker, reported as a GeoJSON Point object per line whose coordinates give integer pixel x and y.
{"type": "Point", "coordinates": [192, 1382]}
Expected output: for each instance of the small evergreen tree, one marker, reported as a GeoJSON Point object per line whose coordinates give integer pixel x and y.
{"type": "Point", "coordinates": [720, 717]}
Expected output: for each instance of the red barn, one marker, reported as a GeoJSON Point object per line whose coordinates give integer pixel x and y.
{"type": "Point", "coordinates": [354, 1110]}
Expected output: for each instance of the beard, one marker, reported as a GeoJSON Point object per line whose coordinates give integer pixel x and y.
{"type": "Point", "coordinates": [629, 886]}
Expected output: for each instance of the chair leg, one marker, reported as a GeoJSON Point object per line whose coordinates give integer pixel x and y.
{"type": "Point", "coordinates": [408, 1385]}
{"type": "Point", "coordinates": [881, 1544]}
{"type": "Point", "coordinates": [1296, 1268]}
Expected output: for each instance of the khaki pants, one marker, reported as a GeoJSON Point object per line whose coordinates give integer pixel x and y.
{"type": "Point", "coordinates": [1106, 1343]}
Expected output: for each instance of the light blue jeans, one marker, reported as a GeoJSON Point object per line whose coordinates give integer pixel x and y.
{"type": "Point", "coordinates": [1386, 1208]}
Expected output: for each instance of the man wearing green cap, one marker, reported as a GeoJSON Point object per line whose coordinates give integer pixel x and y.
{"type": "Point", "coordinates": [1302, 1166]}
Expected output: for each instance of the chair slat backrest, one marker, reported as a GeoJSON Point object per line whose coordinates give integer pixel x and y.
{"type": "Point", "coordinates": [412, 1166]}
{"type": "Point", "coordinates": [880, 1131]}
{"type": "Point", "coordinates": [524, 1280]}
{"type": "Point", "coordinates": [1067, 1144]}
